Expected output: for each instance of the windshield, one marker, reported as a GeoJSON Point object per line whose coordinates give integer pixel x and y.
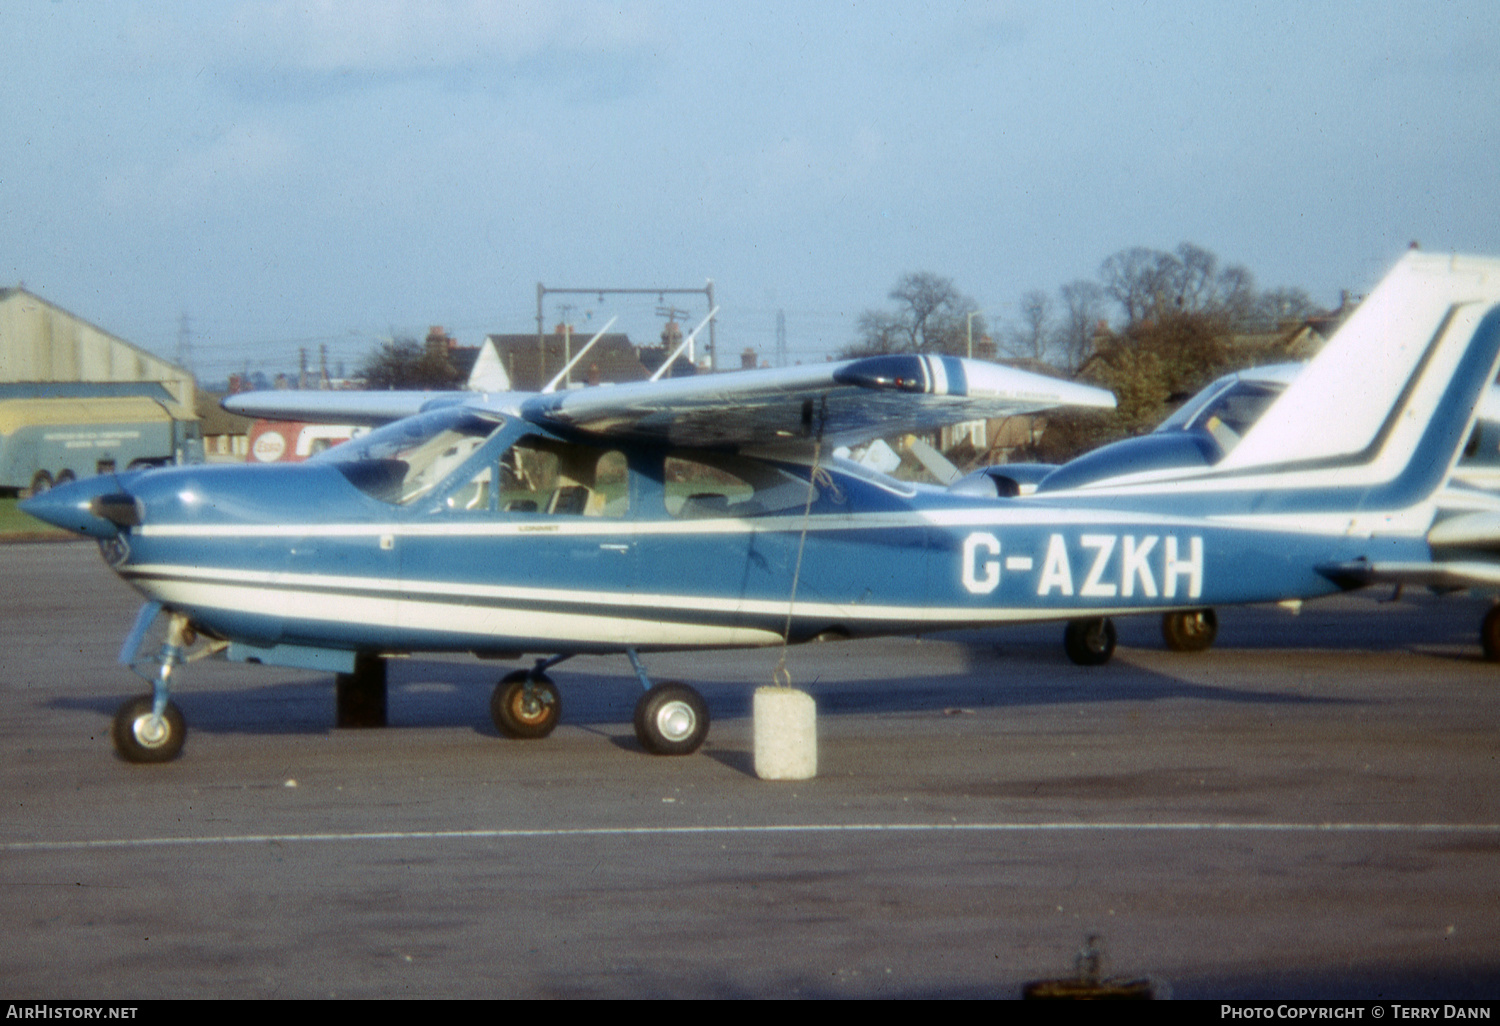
{"type": "Point", "coordinates": [1225, 413]}
{"type": "Point", "coordinates": [402, 462]}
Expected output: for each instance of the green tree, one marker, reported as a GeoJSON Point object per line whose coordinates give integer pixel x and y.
{"type": "Point", "coordinates": [405, 363]}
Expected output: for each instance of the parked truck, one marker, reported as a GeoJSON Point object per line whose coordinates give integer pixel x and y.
{"type": "Point", "coordinates": [51, 434]}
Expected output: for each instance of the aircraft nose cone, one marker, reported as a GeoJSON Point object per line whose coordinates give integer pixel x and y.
{"type": "Point", "coordinates": [95, 506]}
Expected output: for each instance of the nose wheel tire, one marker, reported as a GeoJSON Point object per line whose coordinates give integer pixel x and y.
{"type": "Point", "coordinates": [1090, 642]}
{"type": "Point", "coordinates": [671, 719]}
{"type": "Point", "coordinates": [525, 705]}
{"type": "Point", "coordinates": [1191, 630]}
{"type": "Point", "coordinates": [141, 737]}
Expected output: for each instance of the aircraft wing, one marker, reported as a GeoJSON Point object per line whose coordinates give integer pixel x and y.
{"type": "Point", "coordinates": [371, 408]}
{"type": "Point", "coordinates": [843, 403]}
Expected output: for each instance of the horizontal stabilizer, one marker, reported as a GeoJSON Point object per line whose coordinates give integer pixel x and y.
{"type": "Point", "coordinates": [1444, 575]}
{"type": "Point", "coordinates": [1469, 531]}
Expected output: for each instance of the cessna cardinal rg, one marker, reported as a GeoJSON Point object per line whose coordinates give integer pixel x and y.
{"type": "Point", "coordinates": [708, 513]}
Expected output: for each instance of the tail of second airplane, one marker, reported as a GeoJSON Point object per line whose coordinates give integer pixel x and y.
{"type": "Point", "coordinates": [1387, 405]}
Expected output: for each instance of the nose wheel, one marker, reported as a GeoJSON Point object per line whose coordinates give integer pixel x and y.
{"type": "Point", "coordinates": [150, 728]}
{"type": "Point", "coordinates": [140, 735]}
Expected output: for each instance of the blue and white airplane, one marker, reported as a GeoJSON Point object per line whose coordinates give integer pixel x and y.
{"type": "Point", "coordinates": [708, 513]}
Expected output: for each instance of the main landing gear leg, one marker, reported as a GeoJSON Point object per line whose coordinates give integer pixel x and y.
{"type": "Point", "coordinates": [1190, 630]}
{"type": "Point", "coordinates": [525, 704]}
{"type": "Point", "coordinates": [150, 728]}
{"type": "Point", "coordinates": [1090, 642]}
{"type": "Point", "coordinates": [670, 718]}
{"type": "Point", "coordinates": [361, 695]}
{"type": "Point", "coordinates": [1489, 634]}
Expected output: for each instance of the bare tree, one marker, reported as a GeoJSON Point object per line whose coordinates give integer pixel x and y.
{"type": "Point", "coordinates": [1083, 305]}
{"type": "Point", "coordinates": [1278, 307]}
{"type": "Point", "coordinates": [1033, 339]}
{"type": "Point", "coordinates": [931, 317]}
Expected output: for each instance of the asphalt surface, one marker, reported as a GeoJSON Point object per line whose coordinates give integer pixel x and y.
{"type": "Point", "coordinates": [1312, 809]}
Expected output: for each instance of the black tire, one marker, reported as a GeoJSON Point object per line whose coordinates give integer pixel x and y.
{"type": "Point", "coordinates": [524, 712]}
{"type": "Point", "coordinates": [65, 477]}
{"type": "Point", "coordinates": [671, 719]}
{"type": "Point", "coordinates": [1489, 634]}
{"type": "Point", "coordinates": [41, 482]}
{"type": "Point", "coordinates": [1090, 642]}
{"type": "Point", "coordinates": [1190, 630]}
{"type": "Point", "coordinates": [134, 738]}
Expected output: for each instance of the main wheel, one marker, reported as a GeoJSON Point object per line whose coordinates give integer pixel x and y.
{"type": "Point", "coordinates": [1090, 642]}
{"type": "Point", "coordinates": [1191, 630]}
{"type": "Point", "coordinates": [1489, 634]}
{"type": "Point", "coordinates": [41, 482]}
{"type": "Point", "coordinates": [671, 719]}
{"type": "Point", "coordinates": [525, 705]}
{"type": "Point", "coordinates": [140, 737]}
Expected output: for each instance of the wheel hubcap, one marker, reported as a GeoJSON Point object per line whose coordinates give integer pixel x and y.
{"type": "Point", "coordinates": [675, 720]}
{"type": "Point", "coordinates": [150, 731]}
{"type": "Point", "coordinates": [530, 707]}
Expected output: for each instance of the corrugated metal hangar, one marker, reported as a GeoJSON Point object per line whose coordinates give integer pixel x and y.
{"type": "Point", "coordinates": [76, 400]}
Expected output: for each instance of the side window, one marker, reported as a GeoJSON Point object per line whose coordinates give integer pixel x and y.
{"type": "Point", "coordinates": [715, 486]}
{"type": "Point", "coordinates": [540, 475]}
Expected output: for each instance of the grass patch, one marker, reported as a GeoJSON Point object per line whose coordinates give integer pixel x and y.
{"type": "Point", "coordinates": [15, 524]}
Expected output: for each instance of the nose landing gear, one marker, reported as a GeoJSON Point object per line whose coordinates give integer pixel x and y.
{"type": "Point", "coordinates": [150, 728]}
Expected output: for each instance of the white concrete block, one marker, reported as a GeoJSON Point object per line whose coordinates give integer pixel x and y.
{"type": "Point", "coordinates": [786, 734]}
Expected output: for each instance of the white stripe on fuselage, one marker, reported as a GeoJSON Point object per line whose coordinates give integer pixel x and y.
{"type": "Point", "coordinates": [331, 598]}
{"type": "Point", "coordinates": [1017, 514]}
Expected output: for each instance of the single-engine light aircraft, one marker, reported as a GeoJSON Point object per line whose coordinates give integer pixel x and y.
{"type": "Point", "coordinates": [709, 512]}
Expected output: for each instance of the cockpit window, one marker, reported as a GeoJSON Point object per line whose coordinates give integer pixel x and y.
{"type": "Point", "coordinates": [404, 461]}
{"type": "Point", "coordinates": [1229, 416]}
{"type": "Point", "coordinates": [544, 475]}
{"type": "Point", "coordinates": [1226, 413]}
{"type": "Point", "coordinates": [715, 485]}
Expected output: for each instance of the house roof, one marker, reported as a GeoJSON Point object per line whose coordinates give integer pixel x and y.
{"type": "Point", "coordinates": [531, 363]}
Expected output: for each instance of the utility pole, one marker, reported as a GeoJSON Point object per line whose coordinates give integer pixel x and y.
{"type": "Point", "coordinates": [185, 343]}
{"type": "Point", "coordinates": [661, 294]}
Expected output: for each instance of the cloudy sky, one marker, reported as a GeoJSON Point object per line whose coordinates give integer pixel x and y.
{"type": "Point", "coordinates": [301, 172]}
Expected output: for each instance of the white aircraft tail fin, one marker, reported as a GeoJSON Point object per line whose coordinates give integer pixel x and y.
{"type": "Point", "coordinates": [1398, 382]}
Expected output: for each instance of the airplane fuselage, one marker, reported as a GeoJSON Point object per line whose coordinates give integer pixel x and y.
{"type": "Point", "coordinates": [302, 556]}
